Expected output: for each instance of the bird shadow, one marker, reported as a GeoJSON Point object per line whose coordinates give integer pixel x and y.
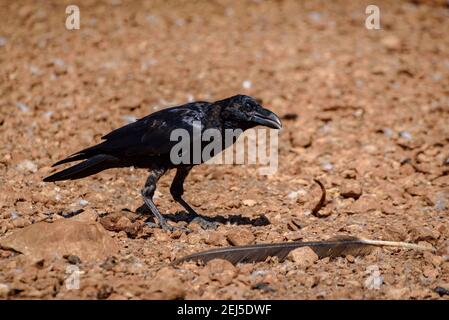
{"type": "Point", "coordinates": [184, 216]}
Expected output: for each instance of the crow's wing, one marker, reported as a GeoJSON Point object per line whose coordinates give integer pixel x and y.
{"type": "Point", "coordinates": [151, 135]}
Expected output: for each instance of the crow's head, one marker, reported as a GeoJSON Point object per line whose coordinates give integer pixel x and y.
{"type": "Point", "coordinates": [245, 112]}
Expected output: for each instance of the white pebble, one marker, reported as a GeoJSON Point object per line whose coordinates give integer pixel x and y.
{"type": "Point", "coordinates": [22, 107]}
{"type": "Point", "coordinates": [48, 114]}
{"type": "Point", "coordinates": [315, 16]}
{"type": "Point", "coordinates": [293, 195]}
{"type": "Point", "coordinates": [151, 19]}
{"type": "Point", "coordinates": [180, 22]}
{"type": "Point", "coordinates": [27, 165]}
{"type": "Point", "coordinates": [327, 166]}
{"type": "Point", "coordinates": [83, 202]}
{"type": "Point", "coordinates": [35, 70]}
{"type": "Point", "coordinates": [258, 273]}
{"type": "Point", "coordinates": [406, 135]}
{"type": "Point", "coordinates": [388, 132]}
{"type": "Point", "coordinates": [440, 203]}
{"type": "Point", "coordinates": [247, 84]}
{"type": "Point", "coordinates": [4, 289]}
{"type": "Point", "coordinates": [58, 62]}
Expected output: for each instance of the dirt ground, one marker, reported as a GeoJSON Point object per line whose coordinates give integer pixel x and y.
{"type": "Point", "coordinates": [365, 111]}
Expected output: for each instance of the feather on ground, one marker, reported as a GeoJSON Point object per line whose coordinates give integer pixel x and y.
{"type": "Point", "coordinates": [335, 247]}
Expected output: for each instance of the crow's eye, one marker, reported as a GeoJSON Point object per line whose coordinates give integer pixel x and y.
{"type": "Point", "coordinates": [248, 106]}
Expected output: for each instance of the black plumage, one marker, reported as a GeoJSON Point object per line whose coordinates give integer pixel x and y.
{"type": "Point", "coordinates": [146, 143]}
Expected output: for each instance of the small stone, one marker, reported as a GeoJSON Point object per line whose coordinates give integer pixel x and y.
{"type": "Point", "coordinates": [216, 238]}
{"type": "Point", "coordinates": [371, 149]}
{"type": "Point", "coordinates": [105, 291]}
{"type": "Point", "coordinates": [240, 237]}
{"type": "Point", "coordinates": [167, 285]}
{"type": "Point", "coordinates": [58, 62]}
{"type": "Point", "coordinates": [441, 201]}
{"type": "Point", "coordinates": [388, 132]}
{"type": "Point", "coordinates": [4, 290]}
{"type": "Point", "coordinates": [35, 71]}
{"type": "Point", "coordinates": [72, 259]}
{"type": "Point", "coordinates": [123, 223]}
{"type": "Point", "coordinates": [247, 84]}
{"type": "Point", "coordinates": [120, 223]}
{"type": "Point", "coordinates": [301, 139]}
{"type": "Point", "coordinates": [27, 165]}
{"type": "Point", "coordinates": [43, 240]}
{"type": "Point", "coordinates": [442, 291]}
{"type": "Point", "coordinates": [233, 203]}
{"type": "Point", "coordinates": [109, 263]}
{"type": "Point", "coordinates": [327, 166]}
{"type": "Point", "coordinates": [351, 189]}
{"type": "Point", "coordinates": [86, 216]}
{"type": "Point", "coordinates": [430, 272]}
{"type": "Point", "coordinates": [293, 195]}
{"type": "Point", "coordinates": [391, 42]}
{"type": "Point", "coordinates": [315, 16]}
{"type": "Point", "coordinates": [303, 257]}
{"type": "Point", "coordinates": [263, 286]}
{"type": "Point", "coordinates": [20, 223]}
{"type": "Point", "coordinates": [421, 233]}
{"type": "Point", "coordinates": [388, 209]}
{"type": "Point", "coordinates": [405, 135]}
{"type": "Point", "coordinates": [398, 293]}
{"type": "Point", "coordinates": [349, 174]}
{"type": "Point", "coordinates": [364, 204]}
{"type": "Point", "coordinates": [417, 191]}
{"type": "Point", "coordinates": [249, 202]}
{"type": "Point", "coordinates": [221, 270]}
{"type": "Point", "coordinates": [83, 202]}
{"type": "Point", "coordinates": [22, 107]}
{"type": "Point", "coordinates": [130, 102]}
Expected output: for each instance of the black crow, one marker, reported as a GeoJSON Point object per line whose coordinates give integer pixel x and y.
{"type": "Point", "coordinates": [147, 143]}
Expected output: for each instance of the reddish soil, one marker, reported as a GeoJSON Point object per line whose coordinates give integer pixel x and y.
{"type": "Point", "coordinates": [372, 124]}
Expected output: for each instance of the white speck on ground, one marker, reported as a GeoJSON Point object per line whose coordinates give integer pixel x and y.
{"type": "Point", "coordinates": [247, 84]}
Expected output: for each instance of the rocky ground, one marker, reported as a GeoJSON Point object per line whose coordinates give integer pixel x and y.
{"type": "Point", "coordinates": [365, 111]}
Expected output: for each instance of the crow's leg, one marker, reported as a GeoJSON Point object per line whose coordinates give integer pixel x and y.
{"type": "Point", "coordinates": [147, 194]}
{"type": "Point", "coordinates": [177, 190]}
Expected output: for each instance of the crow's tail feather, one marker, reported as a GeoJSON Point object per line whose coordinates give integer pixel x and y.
{"type": "Point", "coordinates": [86, 168]}
{"type": "Point", "coordinates": [83, 154]}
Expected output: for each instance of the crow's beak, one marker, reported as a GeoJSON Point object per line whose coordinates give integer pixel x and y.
{"type": "Point", "coordinates": [268, 119]}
